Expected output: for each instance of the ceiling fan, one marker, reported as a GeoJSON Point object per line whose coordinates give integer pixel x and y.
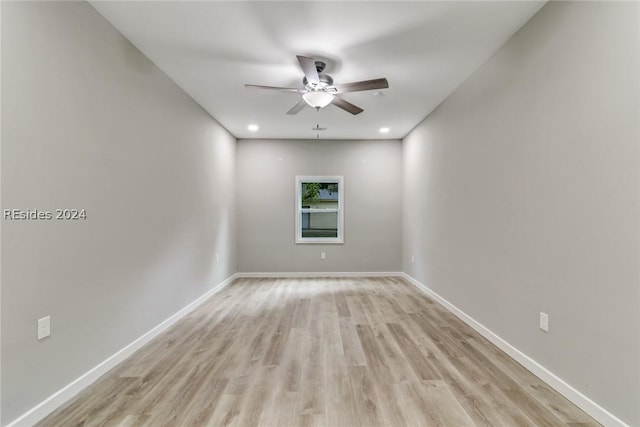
{"type": "Point", "coordinates": [319, 90]}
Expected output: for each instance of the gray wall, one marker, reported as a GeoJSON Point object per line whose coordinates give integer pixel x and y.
{"type": "Point", "coordinates": [522, 195]}
{"type": "Point", "coordinates": [266, 171]}
{"type": "Point", "coordinates": [89, 122]}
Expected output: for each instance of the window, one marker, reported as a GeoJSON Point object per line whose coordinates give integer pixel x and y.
{"type": "Point", "coordinates": [319, 209]}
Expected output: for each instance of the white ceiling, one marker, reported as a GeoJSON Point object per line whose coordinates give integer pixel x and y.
{"type": "Point", "coordinates": [212, 48]}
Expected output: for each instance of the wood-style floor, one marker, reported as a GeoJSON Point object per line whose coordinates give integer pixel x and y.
{"type": "Point", "coordinates": [319, 352]}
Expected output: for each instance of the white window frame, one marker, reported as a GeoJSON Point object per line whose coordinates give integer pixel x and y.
{"type": "Point", "coordinates": [300, 179]}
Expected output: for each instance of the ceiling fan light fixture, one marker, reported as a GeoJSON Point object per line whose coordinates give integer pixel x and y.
{"type": "Point", "coordinates": [318, 99]}
{"type": "Point", "coordinates": [319, 90]}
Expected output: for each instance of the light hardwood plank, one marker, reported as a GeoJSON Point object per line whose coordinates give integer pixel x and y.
{"type": "Point", "coordinates": [319, 352]}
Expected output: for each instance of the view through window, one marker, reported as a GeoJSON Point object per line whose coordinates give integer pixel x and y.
{"type": "Point", "coordinates": [319, 209]}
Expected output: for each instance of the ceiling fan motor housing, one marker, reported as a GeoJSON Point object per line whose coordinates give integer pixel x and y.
{"type": "Point", "coordinates": [325, 81]}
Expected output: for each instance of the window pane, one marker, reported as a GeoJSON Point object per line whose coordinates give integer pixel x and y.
{"type": "Point", "coordinates": [320, 195]}
{"type": "Point", "coordinates": [320, 224]}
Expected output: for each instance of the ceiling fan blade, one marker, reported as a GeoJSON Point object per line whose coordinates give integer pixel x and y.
{"type": "Point", "coordinates": [363, 85]}
{"type": "Point", "coordinates": [346, 106]}
{"type": "Point", "coordinates": [308, 65]}
{"type": "Point", "coordinates": [281, 89]}
{"type": "Point", "coordinates": [296, 108]}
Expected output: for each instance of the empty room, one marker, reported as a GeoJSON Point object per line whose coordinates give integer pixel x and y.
{"type": "Point", "coordinates": [314, 213]}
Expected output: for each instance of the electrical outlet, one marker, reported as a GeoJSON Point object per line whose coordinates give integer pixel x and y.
{"type": "Point", "coordinates": [544, 321]}
{"type": "Point", "coordinates": [217, 257]}
{"type": "Point", "coordinates": [413, 259]}
{"type": "Point", "coordinates": [44, 327]}
{"type": "Point", "coordinates": [323, 255]}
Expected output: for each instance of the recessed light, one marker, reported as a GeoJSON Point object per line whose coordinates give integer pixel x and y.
{"type": "Point", "coordinates": [384, 130]}
{"type": "Point", "coordinates": [253, 128]}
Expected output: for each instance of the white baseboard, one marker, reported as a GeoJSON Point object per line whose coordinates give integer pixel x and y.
{"type": "Point", "coordinates": [57, 399]}
{"type": "Point", "coordinates": [321, 274]}
{"type": "Point", "coordinates": [596, 411]}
